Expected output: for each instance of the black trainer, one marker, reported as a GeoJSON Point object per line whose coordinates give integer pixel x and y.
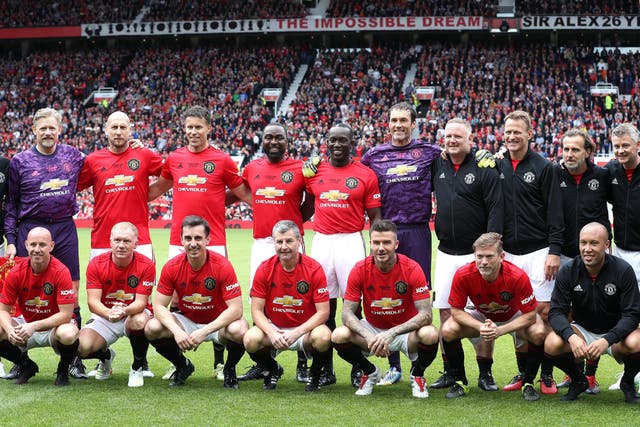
{"type": "Point", "coordinates": [62, 376]}
{"type": "Point", "coordinates": [230, 379]}
{"type": "Point", "coordinates": [486, 382]}
{"type": "Point", "coordinates": [529, 393]}
{"type": "Point", "coordinates": [444, 381]}
{"type": "Point", "coordinates": [181, 374]}
{"type": "Point", "coordinates": [356, 374]}
{"type": "Point", "coordinates": [77, 369]}
{"type": "Point", "coordinates": [327, 378]}
{"type": "Point", "coordinates": [313, 383]}
{"type": "Point", "coordinates": [629, 391]}
{"type": "Point", "coordinates": [458, 389]}
{"type": "Point", "coordinates": [255, 372]}
{"type": "Point", "coordinates": [271, 380]}
{"type": "Point", "coordinates": [302, 373]}
{"type": "Point", "coordinates": [575, 389]}
{"type": "Point", "coordinates": [27, 370]}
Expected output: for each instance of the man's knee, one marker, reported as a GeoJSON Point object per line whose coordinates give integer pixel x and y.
{"type": "Point", "coordinates": [66, 334]}
{"type": "Point", "coordinates": [320, 338]}
{"type": "Point", "coordinates": [253, 339]}
{"type": "Point", "coordinates": [341, 335]}
{"type": "Point", "coordinates": [554, 344]}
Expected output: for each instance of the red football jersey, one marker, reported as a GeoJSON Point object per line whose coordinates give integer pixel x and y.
{"type": "Point", "coordinates": [388, 298]}
{"type": "Point", "coordinates": [38, 296]}
{"type": "Point", "coordinates": [199, 185]}
{"type": "Point", "coordinates": [277, 190]}
{"type": "Point", "coordinates": [290, 297]}
{"type": "Point", "coordinates": [121, 284]}
{"type": "Point", "coordinates": [120, 189]}
{"type": "Point", "coordinates": [499, 300]}
{"type": "Point", "coordinates": [342, 196]}
{"type": "Point", "coordinates": [201, 294]}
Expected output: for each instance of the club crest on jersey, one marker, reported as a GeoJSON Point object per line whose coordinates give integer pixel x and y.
{"type": "Point", "coordinates": [286, 177]}
{"type": "Point", "coordinates": [351, 183]}
{"type": "Point", "coordinates": [401, 287]}
{"type": "Point", "coordinates": [506, 296]}
{"type": "Point", "coordinates": [47, 288]}
{"type": "Point", "coordinates": [132, 281]}
{"type": "Point", "coordinates": [610, 289]}
{"type": "Point", "coordinates": [209, 283]}
{"type": "Point", "coordinates": [302, 287]}
{"type": "Point", "coordinates": [593, 184]}
{"type": "Point", "coordinates": [416, 153]}
{"type": "Point", "coordinates": [67, 167]}
{"type": "Point", "coordinates": [209, 167]}
{"type": "Point", "coordinates": [469, 178]}
{"type": "Point", "coordinates": [529, 177]}
{"type": "Point", "coordinates": [134, 164]}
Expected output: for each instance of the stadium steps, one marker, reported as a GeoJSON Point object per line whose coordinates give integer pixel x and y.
{"type": "Point", "coordinates": [293, 89]}
{"type": "Point", "coordinates": [321, 8]}
{"type": "Point", "coordinates": [410, 76]}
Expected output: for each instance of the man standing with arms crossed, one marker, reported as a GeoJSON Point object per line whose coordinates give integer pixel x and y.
{"type": "Point", "coordinates": [119, 284]}
{"type": "Point", "coordinates": [289, 306]}
{"type": "Point", "coordinates": [42, 193]}
{"type": "Point", "coordinates": [469, 203]}
{"type": "Point", "coordinates": [278, 193]}
{"type": "Point", "coordinates": [200, 174]}
{"type": "Point", "coordinates": [344, 191]}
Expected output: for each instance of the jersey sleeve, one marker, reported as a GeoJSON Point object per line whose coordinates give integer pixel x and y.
{"type": "Point", "coordinates": [167, 280]}
{"type": "Point", "coordinates": [230, 174]}
{"type": "Point", "coordinates": [9, 294]}
{"type": "Point", "coordinates": [148, 278]}
{"type": "Point", "coordinates": [155, 163]}
{"type": "Point", "coordinates": [13, 203]}
{"type": "Point", "coordinates": [373, 198]}
{"type": "Point", "coordinates": [354, 284]}
{"type": "Point", "coordinates": [93, 275]}
{"type": "Point", "coordinates": [166, 169]}
{"type": "Point", "coordinates": [260, 280]}
{"type": "Point", "coordinates": [419, 284]}
{"type": "Point", "coordinates": [230, 286]}
{"type": "Point", "coordinates": [85, 180]}
{"type": "Point", "coordinates": [65, 292]}
{"type": "Point", "coordinates": [320, 289]}
{"type": "Point", "coordinates": [526, 297]}
{"type": "Point", "coordinates": [457, 295]}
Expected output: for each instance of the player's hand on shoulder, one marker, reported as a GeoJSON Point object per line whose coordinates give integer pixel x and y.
{"type": "Point", "coordinates": [484, 159]}
{"type": "Point", "coordinates": [136, 144]}
{"type": "Point", "coordinates": [10, 252]}
{"type": "Point", "coordinates": [310, 167]}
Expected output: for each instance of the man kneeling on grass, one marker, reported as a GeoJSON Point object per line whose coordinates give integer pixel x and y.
{"type": "Point", "coordinates": [601, 291]}
{"type": "Point", "coordinates": [289, 306]}
{"type": "Point", "coordinates": [209, 302]}
{"type": "Point", "coordinates": [504, 303]}
{"type": "Point", "coordinates": [395, 297]}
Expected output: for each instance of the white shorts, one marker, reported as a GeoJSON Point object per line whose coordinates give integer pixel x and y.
{"type": "Point", "coordinates": [177, 250]}
{"type": "Point", "coordinates": [399, 343]}
{"type": "Point", "coordinates": [632, 257]}
{"type": "Point", "coordinates": [189, 326]}
{"type": "Point", "coordinates": [446, 267]}
{"type": "Point", "coordinates": [110, 331]}
{"type": "Point", "coordinates": [146, 250]}
{"type": "Point", "coordinates": [533, 264]}
{"type": "Point", "coordinates": [39, 338]}
{"type": "Point", "coordinates": [590, 337]}
{"type": "Point", "coordinates": [337, 253]}
{"type": "Point", "coordinates": [262, 250]}
{"type": "Point", "coordinates": [519, 342]}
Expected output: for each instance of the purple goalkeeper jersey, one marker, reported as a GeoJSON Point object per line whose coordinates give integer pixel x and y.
{"type": "Point", "coordinates": [404, 177]}
{"type": "Point", "coordinates": [42, 187]}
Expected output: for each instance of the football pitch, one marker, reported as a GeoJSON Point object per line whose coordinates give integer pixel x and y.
{"type": "Point", "coordinates": [203, 400]}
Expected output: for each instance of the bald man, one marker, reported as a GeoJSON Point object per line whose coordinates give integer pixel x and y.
{"type": "Point", "coordinates": [601, 292]}
{"type": "Point", "coordinates": [41, 287]}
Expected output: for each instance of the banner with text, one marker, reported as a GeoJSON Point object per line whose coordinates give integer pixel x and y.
{"type": "Point", "coordinates": [596, 23]}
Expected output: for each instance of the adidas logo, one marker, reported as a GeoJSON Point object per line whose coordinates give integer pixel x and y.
{"type": "Point", "coordinates": [615, 181]}
{"type": "Point", "coordinates": [578, 288]}
{"type": "Point", "coordinates": [563, 184]}
{"type": "Point", "coordinates": [441, 175]}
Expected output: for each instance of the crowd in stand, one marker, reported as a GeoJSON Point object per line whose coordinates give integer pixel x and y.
{"type": "Point", "coordinates": [476, 81]}
{"type": "Point", "coordinates": [412, 8]}
{"type": "Point", "coordinates": [187, 10]}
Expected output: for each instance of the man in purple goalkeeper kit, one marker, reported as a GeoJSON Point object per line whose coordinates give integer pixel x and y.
{"type": "Point", "coordinates": [403, 168]}
{"type": "Point", "coordinates": [42, 193]}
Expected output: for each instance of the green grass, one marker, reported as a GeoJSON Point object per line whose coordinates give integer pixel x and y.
{"type": "Point", "coordinates": [203, 401]}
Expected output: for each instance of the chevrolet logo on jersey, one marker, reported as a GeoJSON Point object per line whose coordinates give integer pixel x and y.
{"type": "Point", "coordinates": [119, 180]}
{"type": "Point", "coordinates": [287, 301]}
{"type": "Point", "coordinates": [37, 302]}
{"type": "Point", "coordinates": [270, 192]}
{"type": "Point", "coordinates": [333, 195]}
{"type": "Point", "coordinates": [121, 295]}
{"type": "Point", "coordinates": [401, 170]}
{"type": "Point", "coordinates": [197, 299]}
{"type": "Point", "coordinates": [386, 303]}
{"type": "Point", "coordinates": [494, 307]}
{"type": "Point", "coordinates": [192, 180]}
{"type": "Point", "coordinates": [54, 184]}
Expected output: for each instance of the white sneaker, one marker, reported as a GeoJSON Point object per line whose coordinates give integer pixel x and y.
{"type": "Point", "coordinates": [390, 377]}
{"type": "Point", "coordinates": [136, 378]}
{"type": "Point", "coordinates": [2, 372]}
{"type": "Point", "coordinates": [419, 387]}
{"type": "Point", "coordinates": [148, 374]}
{"type": "Point", "coordinates": [218, 372]}
{"type": "Point", "coordinates": [367, 382]}
{"type": "Point", "coordinates": [616, 385]}
{"type": "Point", "coordinates": [167, 375]}
{"type": "Point", "coordinates": [105, 370]}
{"type": "Point", "coordinates": [92, 373]}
